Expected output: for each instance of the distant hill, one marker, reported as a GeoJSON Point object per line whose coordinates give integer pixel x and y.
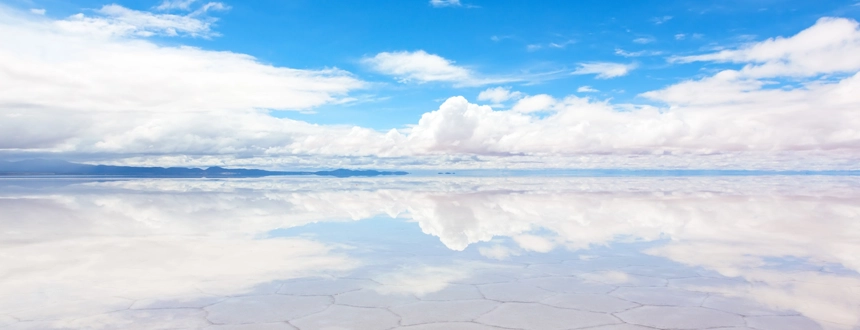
{"type": "Point", "coordinates": [59, 167]}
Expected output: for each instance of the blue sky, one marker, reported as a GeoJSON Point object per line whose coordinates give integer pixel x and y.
{"type": "Point", "coordinates": [543, 41]}
{"type": "Point", "coordinates": [613, 53]}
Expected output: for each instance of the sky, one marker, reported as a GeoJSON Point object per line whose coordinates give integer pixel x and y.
{"type": "Point", "coordinates": [413, 84]}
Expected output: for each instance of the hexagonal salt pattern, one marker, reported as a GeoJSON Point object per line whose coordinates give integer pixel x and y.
{"type": "Point", "coordinates": [566, 284]}
{"type": "Point", "coordinates": [323, 287]}
{"type": "Point", "coordinates": [617, 292]}
{"type": "Point", "coordinates": [372, 298]}
{"type": "Point", "coordinates": [449, 326]}
{"type": "Point", "coordinates": [665, 317]}
{"type": "Point", "coordinates": [620, 278]}
{"type": "Point", "coordinates": [625, 326]}
{"type": "Point", "coordinates": [443, 311]}
{"type": "Point", "coordinates": [454, 292]}
{"type": "Point", "coordinates": [782, 323]}
{"type": "Point", "coordinates": [253, 326]}
{"type": "Point", "coordinates": [264, 309]}
{"type": "Point", "coordinates": [514, 292]}
{"type": "Point", "coordinates": [660, 296]}
{"type": "Point", "coordinates": [741, 306]}
{"type": "Point", "coordinates": [177, 302]}
{"type": "Point", "coordinates": [346, 317]}
{"type": "Point", "coordinates": [590, 302]}
{"type": "Point", "coordinates": [143, 320]}
{"type": "Point", "coordinates": [531, 316]}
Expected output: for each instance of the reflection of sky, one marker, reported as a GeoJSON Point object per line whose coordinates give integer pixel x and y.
{"type": "Point", "coordinates": [82, 248]}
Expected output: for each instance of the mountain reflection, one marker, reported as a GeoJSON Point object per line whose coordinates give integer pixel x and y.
{"type": "Point", "coordinates": [88, 248]}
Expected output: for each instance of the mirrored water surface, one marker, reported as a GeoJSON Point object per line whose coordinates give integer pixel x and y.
{"type": "Point", "coordinates": [760, 252]}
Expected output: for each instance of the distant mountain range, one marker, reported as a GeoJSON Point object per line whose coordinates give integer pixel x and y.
{"type": "Point", "coordinates": [59, 167]}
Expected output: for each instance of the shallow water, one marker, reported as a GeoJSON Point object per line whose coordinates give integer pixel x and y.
{"type": "Point", "coordinates": [758, 252]}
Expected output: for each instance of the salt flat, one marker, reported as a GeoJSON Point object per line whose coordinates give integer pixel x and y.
{"type": "Point", "coordinates": [761, 252]}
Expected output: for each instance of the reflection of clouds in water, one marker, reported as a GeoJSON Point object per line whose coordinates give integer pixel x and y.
{"type": "Point", "coordinates": [421, 280]}
{"type": "Point", "coordinates": [67, 255]}
{"type": "Point", "coordinates": [162, 232]}
{"type": "Point", "coordinates": [497, 251]}
{"type": "Point", "coordinates": [86, 270]}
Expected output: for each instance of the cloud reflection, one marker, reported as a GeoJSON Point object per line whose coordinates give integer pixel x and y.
{"type": "Point", "coordinates": [787, 242]}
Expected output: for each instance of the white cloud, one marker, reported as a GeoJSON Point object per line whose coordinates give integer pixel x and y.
{"type": "Point", "coordinates": [732, 226]}
{"type": "Point", "coordinates": [644, 40]}
{"type": "Point", "coordinates": [561, 45]}
{"type": "Point", "coordinates": [555, 45]}
{"type": "Point", "coordinates": [175, 4]}
{"type": "Point", "coordinates": [604, 70]}
{"type": "Point", "coordinates": [680, 36]}
{"type": "Point", "coordinates": [62, 86]}
{"type": "Point", "coordinates": [116, 20]}
{"type": "Point", "coordinates": [498, 252]}
{"type": "Point", "coordinates": [586, 89]}
{"type": "Point", "coordinates": [661, 20]}
{"type": "Point", "coordinates": [38, 11]}
{"type": "Point", "coordinates": [47, 67]}
{"type": "Point", "coordinates": [420, 66]}
{"type": "Point", "coordinates": [417, 66]}
{"type": "Point", "coordinates": [445, 3]}
{"type": "Point", "coordinates": [498, 95]}
{"type": "Point", "coordinates": [534, 103]}
{"type": "Point", "coordinates": [831, 45]}
{"type": "Point", "coordinates": [69, 94]}
{"type": "Point", "coordinates": [619, 51]}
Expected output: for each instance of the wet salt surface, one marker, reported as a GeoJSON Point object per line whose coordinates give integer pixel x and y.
{"type": "Point", "coordinates": [412, 253]}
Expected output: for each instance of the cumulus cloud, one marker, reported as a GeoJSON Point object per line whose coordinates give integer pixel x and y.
{"type": "Point", "coordinates": [604, 70]}
{"type": "Point", "coordinates": [45, 66]}
{"type": "Point", "coordinates": [829, 46]}
{"type": "Point", "coordinates": [534, 103]}
{"type": "Point", "coordinates": [498, 95]}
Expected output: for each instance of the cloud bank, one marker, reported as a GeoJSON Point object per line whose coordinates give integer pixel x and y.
{"type": "Point", "coordinates": [119, 97]}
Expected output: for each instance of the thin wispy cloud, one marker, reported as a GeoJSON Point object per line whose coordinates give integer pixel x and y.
{"type": "Point", "coordinates": [117, 20]}
{"type": "Point", "coordinates": [175, 4]}
{"type": "Point", "coordinates": [604, 70]}
{"type": "Point", "coordinates": [644, 40]}
{"type": "Point", "coordinates": [621, 52]}
{"type": "Point", "coordinates": [661, 20]}
{"type": "Point", "coordinates": [586, 89]}
{"type": "Point", "coordinates": [445, 3]}
{"type": "Point", "coordinates": [561, 45]}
